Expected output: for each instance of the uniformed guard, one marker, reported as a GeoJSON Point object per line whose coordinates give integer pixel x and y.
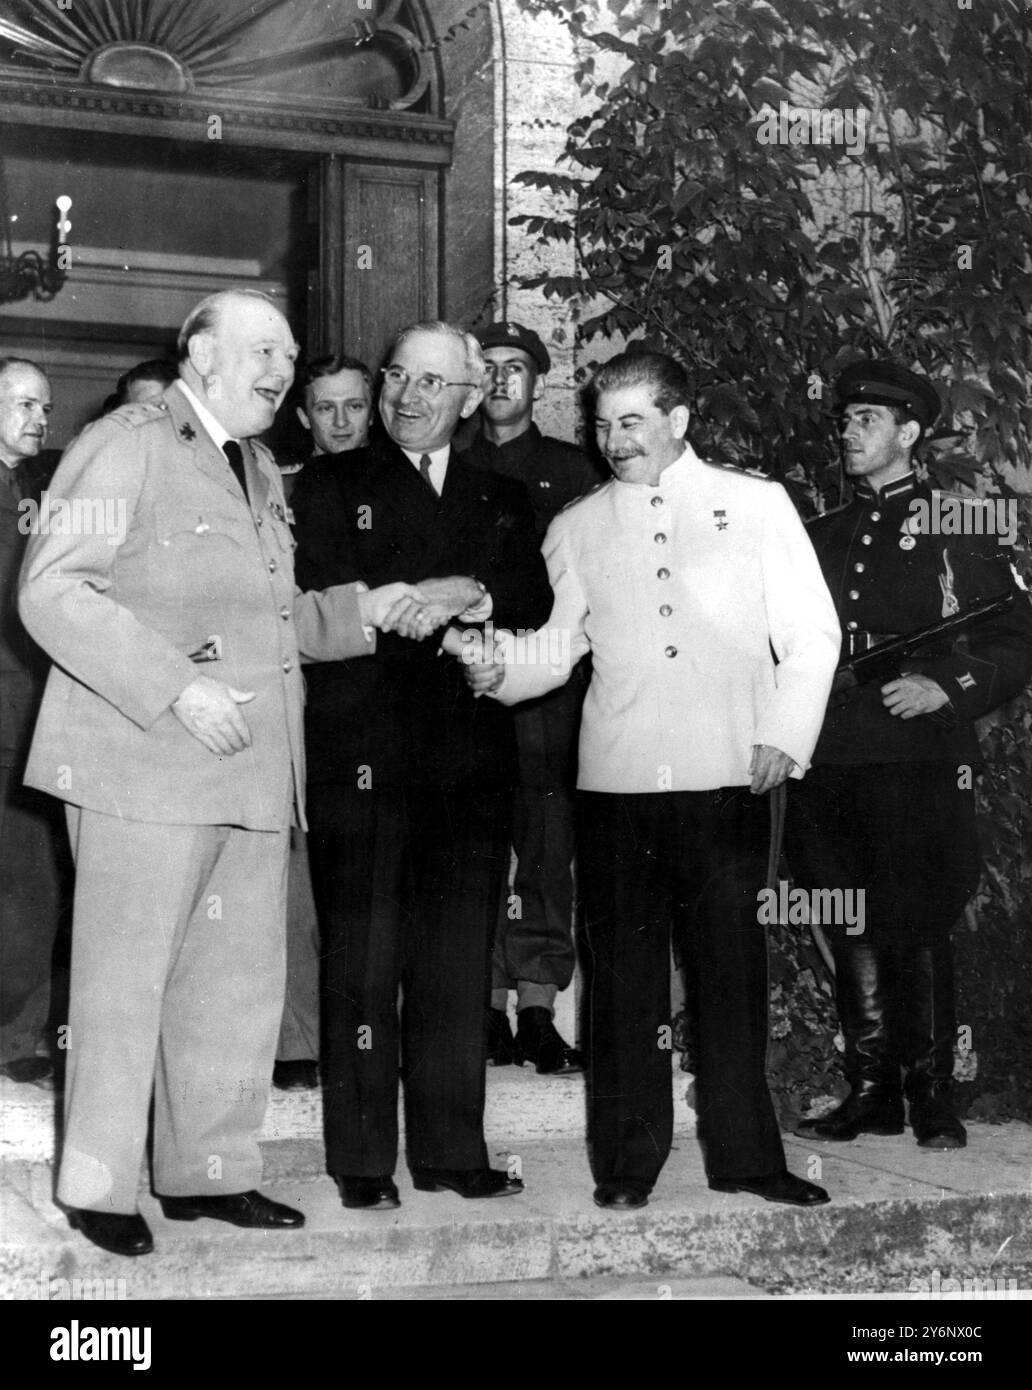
{"type": "Point", "coordinates": [888, 808]}
{"type": "Point", "coordinates": [533, 947]}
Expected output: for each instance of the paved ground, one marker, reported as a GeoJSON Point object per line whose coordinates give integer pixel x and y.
{"type": "Point", "coordinates": [903, 1223]}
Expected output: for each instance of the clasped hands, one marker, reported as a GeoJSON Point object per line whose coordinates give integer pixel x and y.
{"type": "Point", "coordinates": [417, 610]}
{"type": "Point", "coordinates": [210, 709]}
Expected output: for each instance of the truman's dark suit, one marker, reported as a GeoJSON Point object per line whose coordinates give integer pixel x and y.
{"type": "Point", "coordinates": [409, 790]}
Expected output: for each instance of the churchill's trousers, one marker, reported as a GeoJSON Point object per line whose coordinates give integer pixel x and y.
{"type": "Point", "coordinates": [178, 950]}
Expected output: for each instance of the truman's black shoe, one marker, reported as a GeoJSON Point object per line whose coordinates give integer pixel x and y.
{"type": "Point", "coordinates": [368, 1194]}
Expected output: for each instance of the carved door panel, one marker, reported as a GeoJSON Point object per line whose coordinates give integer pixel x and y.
{"type": "Point", "coordinates": [378, 256]}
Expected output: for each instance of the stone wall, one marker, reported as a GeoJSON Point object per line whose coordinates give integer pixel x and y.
{"type": "Point", "coordinates": [536, 98]}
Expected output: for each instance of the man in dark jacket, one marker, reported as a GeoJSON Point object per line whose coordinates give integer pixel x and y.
{"type": "Point", "coordinates": [33, 842]}
{"type": "Point", "coordinates": [411, 779]}
{"type": "Point", "coordinates": [888, 806]}
{"type": "Point", "coordinates": [533, 948]}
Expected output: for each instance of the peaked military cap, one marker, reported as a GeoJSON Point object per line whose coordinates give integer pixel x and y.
{"type": "Point", "coordinates": [507, 333]}
{"type": "Point", "coordinates": [885, 383]}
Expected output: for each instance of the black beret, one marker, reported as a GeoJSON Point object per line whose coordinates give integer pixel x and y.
{"type": "Point", "coordinates": [506, 333]}
{"type": "Point", "coordinates": [885, 383]}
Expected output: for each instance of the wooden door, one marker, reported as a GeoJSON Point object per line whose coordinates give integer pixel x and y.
{"type": "Point", "coordinates": [378, 255]}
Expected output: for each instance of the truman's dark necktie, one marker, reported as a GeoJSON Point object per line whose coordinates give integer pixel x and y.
{"type": "Point", "coordinates": [424, 472]}
{"type": "Point", "coordinates": [235, 456]}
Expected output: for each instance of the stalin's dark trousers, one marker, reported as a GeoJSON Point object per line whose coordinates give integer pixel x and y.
{"type": "Point", "coordinates": [407, 883]}
{"type": "Point", "coordinates": [652, 864]}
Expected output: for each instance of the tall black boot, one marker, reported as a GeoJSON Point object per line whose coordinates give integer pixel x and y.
{"type": "Point", "coordinates": [931, 1023]}
{"type": "Point", "coordinates": [864, 989]}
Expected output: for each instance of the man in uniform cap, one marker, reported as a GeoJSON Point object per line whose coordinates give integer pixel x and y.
{"type": "Point", "coordinates": [888, 807]}
{"type": "Point", "coordinates": [533, 948]}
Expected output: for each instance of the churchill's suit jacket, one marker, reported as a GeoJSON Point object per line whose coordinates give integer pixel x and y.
{"type": "Point", "coordinates": [151, 570]}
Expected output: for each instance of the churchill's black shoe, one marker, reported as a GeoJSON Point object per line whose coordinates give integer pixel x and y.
{"type": "Point", "coordinates": [299, 1075]}
{"type": "Point", "coordinates": [866, 1110]}
{"type": "Point", "coordinates": [500, 1051]}
{"type": "Point", "coordinates": [775, 1187]}
{"type": "Point", "coordinates": [467, 1182]}
{"type": "Point", "coordinates": [118, 1232]}
{"type": "Point", "coordinates": [238, 1208]}
{"type": "Point", "coordinates": [368, 1194]}
{"type": "Point", "coordinates": [539, 1041]}
{"type": "Point", "coordinates": [622, 1193]}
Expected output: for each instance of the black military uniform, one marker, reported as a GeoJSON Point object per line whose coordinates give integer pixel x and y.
{"type": "Point", "coordinates": [888, 805]}
{"type": "Point", "coordinates": [533, 949]}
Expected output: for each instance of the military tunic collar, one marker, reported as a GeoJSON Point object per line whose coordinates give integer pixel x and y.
{"type": "Point", "coordinates": [898, 487]}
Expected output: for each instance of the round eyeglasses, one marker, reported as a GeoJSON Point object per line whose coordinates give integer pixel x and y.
{"type": "Point", "coordinates": [429, 385]}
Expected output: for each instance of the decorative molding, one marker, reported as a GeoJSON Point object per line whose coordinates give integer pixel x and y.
{"type": "Point", "coordinates": [169, 46]}
{"type": "Point", "coordinates": [268, 121]}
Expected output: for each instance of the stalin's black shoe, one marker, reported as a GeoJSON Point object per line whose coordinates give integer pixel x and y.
{"type": "Point", "coordinates": [466, 1182]}
{"type": "Point", "coordinates": [775, 1187]}
{"type": "Point", "coordinates": [538, 1041]}
{"type": "Point", "coordinates": [622, 1194]}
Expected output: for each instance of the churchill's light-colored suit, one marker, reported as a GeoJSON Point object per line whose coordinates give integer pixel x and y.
{"type": "Point", "coordinates": [178, 947]}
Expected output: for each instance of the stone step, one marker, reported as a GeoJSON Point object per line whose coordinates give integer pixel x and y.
{"type": "Point", "coordinates": [520, 1105]}
{"type": "Point", "coordinates": [898, 1216]}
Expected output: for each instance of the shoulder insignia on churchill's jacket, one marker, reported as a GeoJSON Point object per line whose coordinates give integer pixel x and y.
{"type": "Point", "coordinates": [131, 417]}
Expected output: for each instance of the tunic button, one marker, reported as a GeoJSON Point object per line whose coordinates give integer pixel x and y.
{"type": "Point", "coordinates": [659, 538]}
{"type": "Point", "coordinates": [272, 566]}
{"type": "Point", "coordinates": [284, 613]}
{"type": "Point", "coordinates": [865, 540]}
{"type": "Point", "coordinates": [852, 626]}
{"type": "Point", "coordinates": [288, 666]}
{"type": "Point", "coordinates": [657, 501]}
{"type": "Point", "coordinates": [671, 651]}
{"type": "Point", "coordinates": [663, 574]}
{"type": "Point", "coordinates": [876, 516]}
{"type": "Point", "coordinates": [665, 611]}
{"type": "Point", "coordinates": [854, 594]}
{"type": "Point", "coordinates": [859, 567]}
